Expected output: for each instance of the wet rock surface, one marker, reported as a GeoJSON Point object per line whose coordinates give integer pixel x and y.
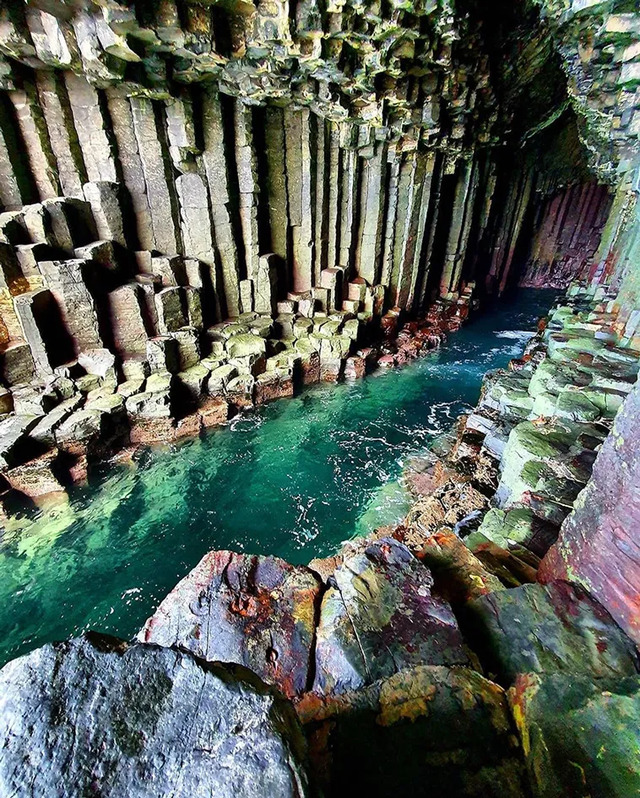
{"type": "Point", "coordinates": [378, 616]}
{"type": "Point", "coordinates": [547, 628]}
{"type": "Point", "coordinates": [367, 642]}
{"type": "Point", "coordinates": [97, 715]}
{"type": "Point", "coordinates": [459, 576]}
{"type": "Point", "coordinates": [255, 611]}
{"type": "Point", "coordinates": [579, 736]}
{"type": "Point", "coordinates": [597, 546]}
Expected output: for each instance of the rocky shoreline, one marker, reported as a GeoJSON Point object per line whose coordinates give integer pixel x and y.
{"type": "Point", "coordinates": [428, 653]}
{"type": "Point", "coordinates": [190, 380]}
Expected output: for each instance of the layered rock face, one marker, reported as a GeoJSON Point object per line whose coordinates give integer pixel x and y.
{"type": "Point", "coordinates": [207, 205]}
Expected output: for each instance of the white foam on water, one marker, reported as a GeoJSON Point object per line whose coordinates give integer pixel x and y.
{"type": "Point", "coordinates": [514, 335]}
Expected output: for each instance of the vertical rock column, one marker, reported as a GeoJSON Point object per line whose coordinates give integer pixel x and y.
{"type": "Point", "coordinates": [371, 219]}
{"type": "Point", "coordinates": [131, 164]}
{"type": "Point", "coordinates": [36, 139]}
{"type": "Point", "coordinates": [215, 168]}
{"type": "Point", "coordinates": [488, 180]}
{"type": "Point", "coordinates": [193, 198]}
{"type": "Point", "coordinates": [320, 199]}
{"type": "Point", "coordinates": [434, 181]}
{"type": "Point", "coordinates": [524, 195]}
{"type": "Point", "coordinates": [403, 233]}
{"type": "Point", "coordinates": [54, 102]}
{"type": "Point", "coordinates": [509, 225]}
{"type": "Point", "coordinates": [126, 308]}
{"type": "Point", "coordinates": [298, 159]}
{"type": "Point", "coordinates": [393, 172]}
{"type": "Point", "coordinates": [423, 205]}
{"type": "Point", "coordinates": [66, 281]}
{"type": "Point", "coordinates": [32, 309]}
{"type": "Point", "coordinates": [12, 193]}
{"type": "Point", "coordinates": [165, 233]}
{"type": "Point", "coordinates": [277, 182]}
{"type": "Point", "coordinates": [248, 186]}
{"type": "Point", "coordinates": [196, 227]}
{"type": "Point", "coordinates": [414, 228]}
{"type": "Point", "coordinates": [107, 208]}
{"type": "Point", "coordinates": [333, 179]}
{"type": "Point", "coordinates": [348, 186]}
{"type": "Point", "coordinates": [91, 128]}
{"type": "Point", "coordinates": [460, 222]}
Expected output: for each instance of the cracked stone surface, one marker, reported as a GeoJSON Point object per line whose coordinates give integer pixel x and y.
{"type": "Point", "coordinates": [95, 713]}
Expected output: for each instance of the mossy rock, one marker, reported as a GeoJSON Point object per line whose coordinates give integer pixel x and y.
{"type": "Point", "coordinates": [554, 377]}
{"type": "Point", "coordinates": [544, 405]}
{"type": "Point", "coordinates": [576, 406]}
{"type": "Point", "coordinates": [538, 442]}
{"type": "Point", "coordinates": [620, 355]}
{"type": "Point", "coordinates": [545, 629]}
{"type": "Point", "coordinates": [519, 526]}
{"type": "Point", "coordinates": [581, 736]}
{"type": "Point", "coordinates": [607, 400]}
{"type": "Point", "coordinates": [246, 345]}
{"type": "Point", "coordinates": [519, 400]}
{"type": "Point", "coordinates": [536, 471]}
{"type": "Point", "coordinates": [528, 442]}
{"type": "Point", "coordinates": [576, 343]}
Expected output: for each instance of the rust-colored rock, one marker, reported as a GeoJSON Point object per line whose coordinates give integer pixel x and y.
{"type": "Point", "coordinates": [152, 430]}
{"type": "Point", "coordinates": [446, 506]}
{"type": "Point", "coordinates": [379, 616]}
{"type": "Point", "coordinates": [254, 611]}
{"type": "Point", "coordinates": [213, 412]}
{"type": "Point", "coordinates": [458, 575]}
{"type": "Point", "coordinates": [37, 479]}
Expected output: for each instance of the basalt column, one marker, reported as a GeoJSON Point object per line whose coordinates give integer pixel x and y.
{"type": "Point", "coordinates": [217, 202]}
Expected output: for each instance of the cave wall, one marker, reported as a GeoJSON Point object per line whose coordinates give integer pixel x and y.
{"type": "Point", "coordinates": [375, 139]}
{"type": "Point", "coordinates": [168, 166]}
{"type": "Point", "coordinates": [599, 45]}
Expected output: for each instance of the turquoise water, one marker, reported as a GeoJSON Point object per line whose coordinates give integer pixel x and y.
{"type": "Point", "coordinates": [295, 479]}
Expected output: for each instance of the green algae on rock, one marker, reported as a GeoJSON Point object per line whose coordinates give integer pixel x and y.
{"type": "Point", "coordinates": [445, 730]}
{"type": "Point", "coordinates": [548, 628]}
{"type": "Point", "coordinates": [579, 735]}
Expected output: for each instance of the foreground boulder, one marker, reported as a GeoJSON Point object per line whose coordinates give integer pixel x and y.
{"type": "Point", "coordinates": [94, 716]}
{"type": "Point", "coordinates": [580, 737]}
{"type": "Point", "coordinates": [547, 628]}
{"type": "Point", "coordinates": [428, 731]}
{"type": "Point", "coordinates": [378, 616]}
{"type": "Point", "coordinates": [254, 611]}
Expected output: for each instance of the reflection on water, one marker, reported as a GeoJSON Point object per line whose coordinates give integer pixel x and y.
{"type": "Point", "coordinates": [293, 479]}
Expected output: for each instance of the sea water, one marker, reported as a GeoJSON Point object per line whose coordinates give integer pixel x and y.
{"type": "Point", "coordinates": [294, 479]}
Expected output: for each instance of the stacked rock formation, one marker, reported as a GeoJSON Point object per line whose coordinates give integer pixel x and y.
{"type": "Point", "coordinates": [205, 204]}
{"type": "Point", "coordinates": [106, 348]}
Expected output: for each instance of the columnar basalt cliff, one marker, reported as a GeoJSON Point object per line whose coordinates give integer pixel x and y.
{"type": "Point", "coordinates": [206, 205]}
